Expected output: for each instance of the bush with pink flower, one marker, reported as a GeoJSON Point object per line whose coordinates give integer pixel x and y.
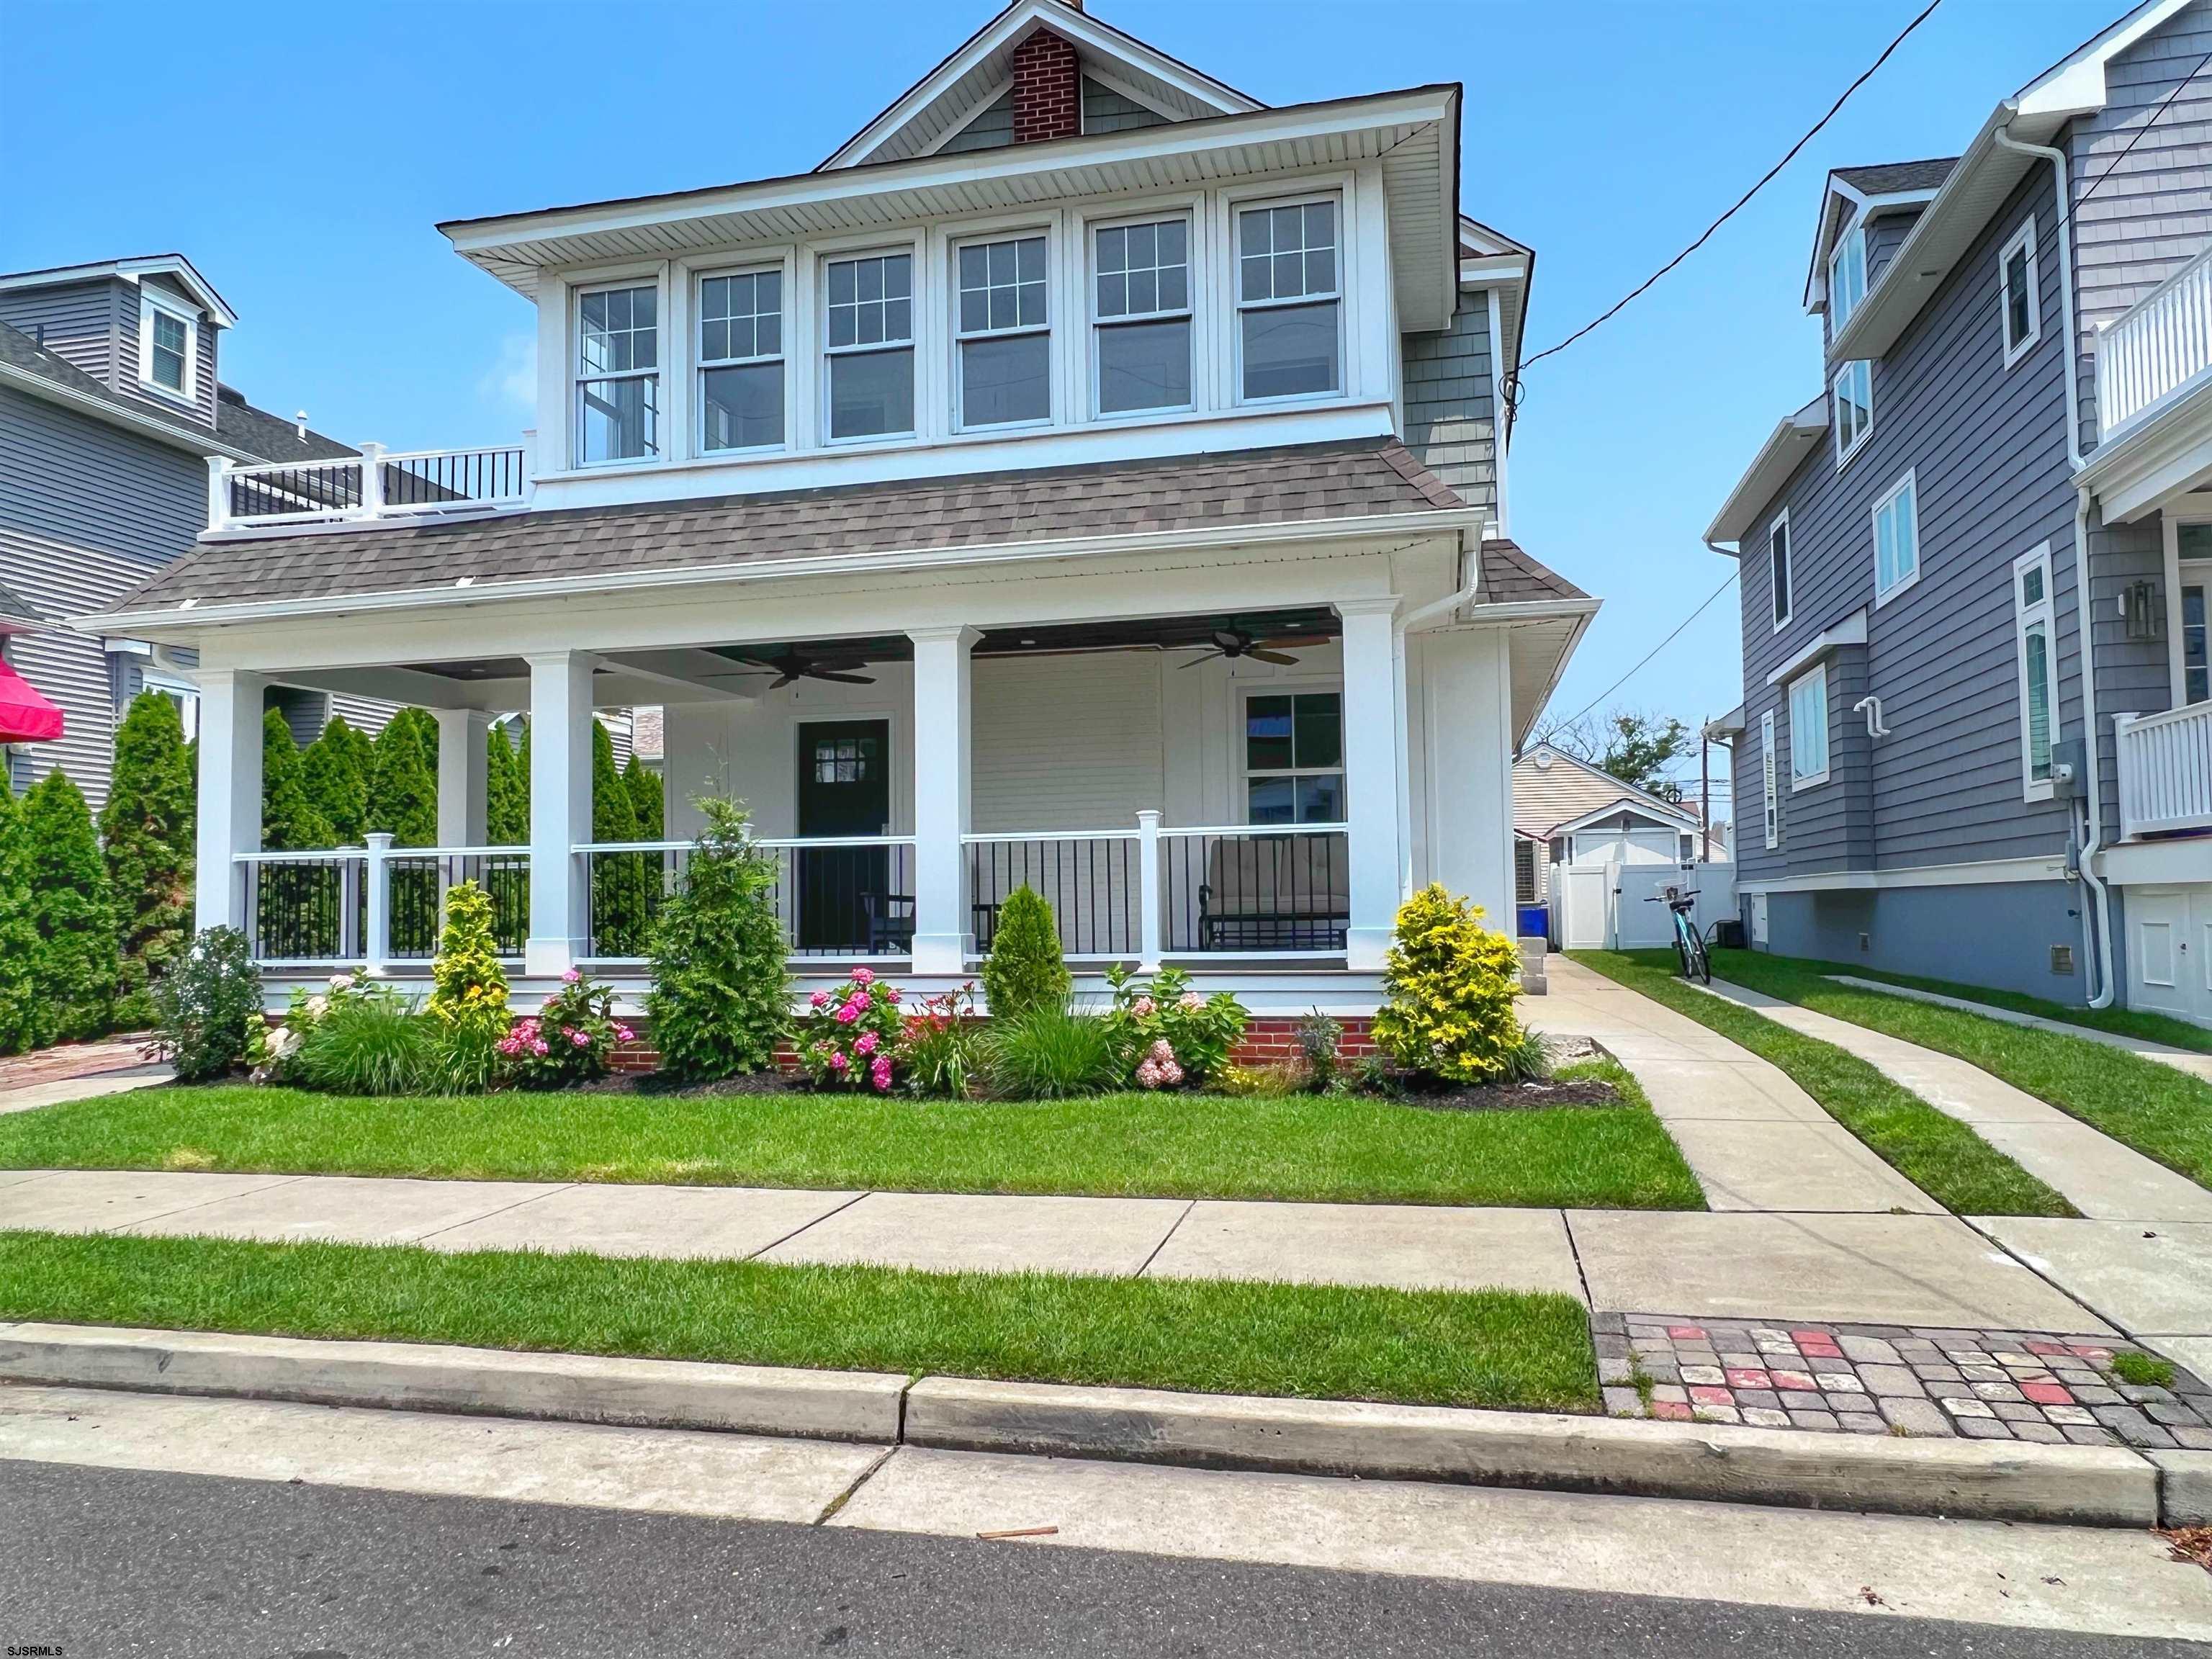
{"type": "Point", "coordinates": [1170, 1033]}
{"type": "Point", "coordinates": [852, 1039]}
{"type": "Point", "coordinates": [570, 1039]}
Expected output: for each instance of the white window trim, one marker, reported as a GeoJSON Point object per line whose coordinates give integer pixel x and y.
{"type": "Point", "coordinates": [1194, 284]}
{"type": "Point", "coordinates": [2024, 616]}
{"type": "Point", "coordinates": [1810, 780]}
{"type": "Point", "coordinates": [2014, 351]}
{"type": "Point", "coordinates": [149, 303]}
{"type": "Point", "coordinates": [917, 284]}
{"type": "Point", "coordinates": [1305, 686]}
{"type": "Point", "coordinates": [699, 362]}
{"type": "Point", "coordinates": [186, 694]}
{"type": "Point", "coordinates": [1237, 207]}
{"type": "Point", "coordinates": [1788, 568]}
{"type": "Point", "coordinates": [1844, 456]}
{"type": "Point", "coordinates": [1853, 240]}
{"type": "Point", "coordinates": [1772, 818]}
{"type": "Point", "coordinates": [2190, 573]}
{"type": "Point", "coordinates": [1041, 231]}
{"type": "Point", "coordinates": [1882, 595]}
{"type": "Point", "coordinates": [650, 278]}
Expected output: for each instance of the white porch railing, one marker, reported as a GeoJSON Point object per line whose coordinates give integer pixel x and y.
{"type": "Point", "coordinates": [375, 484]}
{"type": "Point", "coordinates": [2165, 770]}
{"type": "Point", "coordinates": [378, 906]}
{"type": "Point", "coordinates": [2158, 347]}
{"type": "Point", "coordinates": [849, 897]}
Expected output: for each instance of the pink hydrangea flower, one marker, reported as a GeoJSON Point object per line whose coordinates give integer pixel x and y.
{"type": "Point", "coordinates": [569, 977]}
{"type": "Point", "coordinates": [539, 1048]}
{"type": "Point", "coordinates": [819, 1000]}
{"type": "Point", "coordinates": [865, 1043]}
{"type": "Point", "coordinates": [1142, 1007]}
{"type": "Point", "coordinates": [849, 1013]}
{"type": "Point", "coordinates": [581, 1039]}
{"type": "Point", "coordinates": [837, 1061]}
{"type": "Point", "coordinates": [864, 976]}
{"type": "Point", "coordinates": [623, 1033]}
{"type": "Point", "coordinates": [880, 1073]}
{"type": "Point", "coordinates": [1148, 1072]}
{"type": "Point", "coordinates": [1170, 1073]}
{"type": "Point", "coordinates": [1164, 1052]}
{"type": "Point", "coordinates": [1192, 1002]}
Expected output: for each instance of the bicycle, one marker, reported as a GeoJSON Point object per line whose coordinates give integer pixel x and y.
{"type": "Point", "coordinates": [1689, 946]}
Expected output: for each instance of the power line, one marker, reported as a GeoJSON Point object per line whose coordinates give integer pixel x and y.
{"type": "Point", "coordinates": [2164, 105]}
{"type": "Point", "coordinates": [1656, 649]}
{"type": "Point", "coordinates": [1744, 200]}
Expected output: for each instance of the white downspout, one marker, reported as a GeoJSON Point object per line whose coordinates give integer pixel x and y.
{"type": "Point", "coordinates": [2092, 837]}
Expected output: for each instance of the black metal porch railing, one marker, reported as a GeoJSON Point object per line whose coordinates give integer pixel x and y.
{"type": "Point", "coordinates": [1094, 884]}
{"type": "Point", "coordinates": [1257, 890]}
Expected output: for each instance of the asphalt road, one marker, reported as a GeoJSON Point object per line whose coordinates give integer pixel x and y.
{"type": "Point", "coordinates": [96, 1563]}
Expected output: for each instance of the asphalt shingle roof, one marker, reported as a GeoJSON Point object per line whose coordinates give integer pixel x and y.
{"type": "Point", "coordinates": [1889, 176]}
{"type": "Point", "coordinates": [1509, 576]}
{"type": "Point", "coordinates": [1298, 483]}
{"type": "Point", "coordinates": [271, 437]}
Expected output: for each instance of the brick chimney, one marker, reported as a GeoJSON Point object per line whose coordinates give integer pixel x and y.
{"type": "Point", "coordinates": [1047, 89]}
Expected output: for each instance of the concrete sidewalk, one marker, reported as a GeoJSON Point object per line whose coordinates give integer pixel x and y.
{"type": "Point", "coordinates": [2192, 1061]}
{"type": "Point", "coordinates": [2103, 1179]}
{"type": "Point", "coordinates": [1754, 1139]}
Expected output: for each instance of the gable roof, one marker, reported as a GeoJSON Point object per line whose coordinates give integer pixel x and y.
{"type": "Point", "coordinates": [975, 71]}
{"type": "Point", "coordinates": [1856, 193]}
{"type": "Point", "coordinates": [1509, 576]}
{"type": "Point", "coordinates": [1888, 177]}
{"type": "Point", "coordinates": [17, 615]}
{"type": "Point", "coordinates": [174, 266]}
{"type": "Point", "coordinates": [1553, 790]}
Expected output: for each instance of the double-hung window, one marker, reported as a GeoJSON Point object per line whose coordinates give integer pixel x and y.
{"type": "Point", "coordinates": [1767, 781]}
{"type": "Point", "coordinates": [167, 344]}
{"type": "Point", "coordinates": [1808, 729]}
{"type": "Point", "coordinates": [1289, 301]}
{"type": "Point", "coordinates": [1853, 394]}
{"type": "Point", "coordinates": [1002, 332]}
{"type": "Point", "coordinates": [868, 342]}
{"type": "Point", "coordinates": [1847, 279]}
{"type": "Point", "coordinates": [1896, 540]}
{"type": "Point", "coordinates": [1294, 758]}
{"type": "Point", "coordinates": [741, 360]}
{"type": "Point", "coordinates": [1140, 279]}
{"type": "Point", "coordinates": [1778, 571]}
{"type": "Point", "coordinates": [2038, 670]}
{"type": "Point", "coordinates": [2021, 295]}
{"type": "Point", "coordinates": [2196, 665]}
{"type": "Point", "coordinates": [617, 374]}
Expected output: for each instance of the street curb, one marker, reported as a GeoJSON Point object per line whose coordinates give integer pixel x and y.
{"type": "Point", "coordinates": [2079, 1485]}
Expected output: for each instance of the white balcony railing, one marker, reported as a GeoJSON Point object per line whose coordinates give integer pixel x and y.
{"type": "Point", "coordinates": [2165, 770]}
{"type": "Point", "coordinates": [375, 484]}
{"type": "Point", "coordinates": [2158, 347]}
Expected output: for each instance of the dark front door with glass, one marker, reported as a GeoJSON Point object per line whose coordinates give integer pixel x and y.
{"type": "Point", "coordinates": [846, 904]}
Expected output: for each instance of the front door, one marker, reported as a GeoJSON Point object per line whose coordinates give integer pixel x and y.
{"type": "Point", "coordinates": [845, 904]}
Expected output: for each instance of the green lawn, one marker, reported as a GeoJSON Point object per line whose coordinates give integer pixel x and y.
{"type": "Point", "coordinates": [2162, 1112]}
{"type": "Point", "coordinates": [1492, 1348]}
{"type": "Point", "coordinates": [2125, 1022]}
{"type": "Point", "coordinates": [1177, 1145]}
{"type": "Point", "coordinates": [1934, 1150]}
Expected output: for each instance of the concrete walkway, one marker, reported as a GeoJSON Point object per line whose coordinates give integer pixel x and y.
{"type": "Point", "coordinates": [1754, 1139]}
{"type": "Point", "coordinates": [78, 1071]}
{"type": "Point", "coordinates": [2100, 1178]}
{"type": "Point", "coordinates": [1905, 1270]}
{"type": "Point", "coordinates": [2194, 1061]}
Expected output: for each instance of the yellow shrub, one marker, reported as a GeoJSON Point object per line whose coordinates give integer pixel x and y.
{"type": "Point", "coordinates": [1450, 984]}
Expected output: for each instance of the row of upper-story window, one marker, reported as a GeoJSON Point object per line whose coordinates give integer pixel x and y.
{"type": "Point", "coordinates": [1153, 311]}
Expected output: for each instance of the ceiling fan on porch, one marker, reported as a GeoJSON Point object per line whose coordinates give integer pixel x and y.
{"type": "Point", "coordinates": [793, 664]}
{"type": "Point", "coordinates": [1235, 642]}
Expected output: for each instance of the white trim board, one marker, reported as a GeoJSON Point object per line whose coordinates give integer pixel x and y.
{"type": "Point", "coordinates": [1985, 873]}
{"type": "Point", "coordinates": [1852, 630]}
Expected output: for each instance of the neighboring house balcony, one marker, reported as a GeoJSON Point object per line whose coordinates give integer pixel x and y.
{"type": "Point", "coordinates": [376, 484]}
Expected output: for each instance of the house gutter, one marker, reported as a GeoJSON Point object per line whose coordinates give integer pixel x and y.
{"type": "Point", "coordinates": [2092, 837]}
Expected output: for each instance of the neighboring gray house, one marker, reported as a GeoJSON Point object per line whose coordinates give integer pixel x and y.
{"type": "Point", "coordinates": [111, 403]}
{"type": "Point", "coordinates": [1935, 775]}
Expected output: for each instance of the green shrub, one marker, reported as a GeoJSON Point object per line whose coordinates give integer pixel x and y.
{"type": "Point", "coordinates": [506, 790]}
{"type": "Point", "coordinates": [622, 883]}
{"type": "Point", "coordinates": [146, 831]}
{"type": "Point", "coordinates": [1024, 970]}
{"type": "Point", "coordinates": [1168, 1034]}
{"type": "Point", "coordinates": [853, 1041]}
{"type": "Point", "coordinates": [403, 783]}
{"type": "Point", "coordinates": [942, 1053]}
{"type": "Point", "coordinates": [720, 999]}
{"type": "Point", "coordinates": [647, 803]}
{"type": "Point", "coordinates": [570, 1039]}
{"type": "Point", "coordinates": [373, 1043]}
{"type": "Point", "coordinates": [290, 821]}
{"type": "Point", "coordinates": [334, 771]}
{"type": "Point", "coordinates": [1051, 1051]}
{"type": "Point", "coordinates": [468, 1000]}
{"type": "Point", "coordinates": [77, 967]}
{"type": "Point", "coordinates": [19, 934]}
{"type": "Point", "coordinates": [1448, 984]}
{"type": "Point", "coordinates": [1319, 1036]}
{"type": "Point", "coordinates": [206, 1007]}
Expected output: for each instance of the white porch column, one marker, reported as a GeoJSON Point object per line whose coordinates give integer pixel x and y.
{"type": "Point", "coordinates": [229, 793]}
{"type": "Point", "coordinates": [1371, 747]}
{"type": "Point", "coordinates": [559, 809]}
{"type": "Point", "coordinates": [943, 933]}
{"type": "Point", "coordinates": [463, 777]}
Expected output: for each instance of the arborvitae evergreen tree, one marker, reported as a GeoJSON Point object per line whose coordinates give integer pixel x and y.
{"type": "Point", "coordinates": [1026, 969]}
{"type": "Point", "coordinates": [618, 880]}
{"type": "Point", "coordinates": [720, 999]}
{"type": "Point", "coordinates": [506, 798]}
{"type": "Point", "coordinates": [290, 820]}
{"type": "Point", "coordinates": [19, 934]}
{"type": "Point", "coordinates": [402, 787]}
{"type": "Point", "coordinates": [147, 830]}
{"type": "Point", "coordinates": [645, 799]}
{"type": "Point", "coordinates": [77, 953]}
{"type": "Point", "coordinates": [334, 770]}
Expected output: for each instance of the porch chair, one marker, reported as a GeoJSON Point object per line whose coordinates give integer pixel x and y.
{"type": "Point", "coordinates": [1275, 893]}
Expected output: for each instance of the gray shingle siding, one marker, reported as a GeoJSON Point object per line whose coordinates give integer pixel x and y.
{"type": "Point", "coordinates": [201, 407]}
{"type": "Point", "coordinates": [1884, 237]}
{"type": "Point", "coordinates": [1105, 110]}
{"type": "Point", "coordinates": [1450, 414]}
{"type": "Point", "coordinates": [2132, 675]}
{"type": "Point", "coordinates": [75, 321]}
{"type": "Point", "coordinates": [992, 129]}
{"type": "Point", "coordinates": [1986, 446]}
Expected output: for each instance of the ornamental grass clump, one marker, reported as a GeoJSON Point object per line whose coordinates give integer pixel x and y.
{"type": "Point", "coordinates": [853, 1040]}
{"type": "Point", "coordinates": [369, 1040]}
{"type": "Point", "coordinates": [720, 1000]}
{"type": "Point", "coordinates": [468, 1001]}
{"type": "Point", "coordinates": [1448, 985]}
{"type": "Point", "coordinates": [1052, 1052]}
{"type": "Point", "coordinates": [571, 1038]}
{"type": "Point", "coordinates": [1024, 970]}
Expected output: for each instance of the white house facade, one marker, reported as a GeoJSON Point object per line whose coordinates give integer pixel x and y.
{"type": "Point", "coordinates": [1088, 476]}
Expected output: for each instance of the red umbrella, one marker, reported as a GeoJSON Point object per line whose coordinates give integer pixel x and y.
{"type": "Point", "coordinates": [25, 716]}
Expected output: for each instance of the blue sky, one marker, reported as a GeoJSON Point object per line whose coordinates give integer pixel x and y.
{"type": "Point", "coordinates": [301, 153]}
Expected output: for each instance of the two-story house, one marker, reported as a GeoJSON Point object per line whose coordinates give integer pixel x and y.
{"type": "Point", "coordinates": [112, 407]}
{"type": "Point", "coordinates": [1087, 476]}
{"type": "Point", "coordinates": [1976, 741]}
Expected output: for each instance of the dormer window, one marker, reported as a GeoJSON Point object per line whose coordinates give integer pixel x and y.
{"type": "Point", "coordinates": [167, 344]}
{"type": "Point", "coordinates": [1004, 335]}
{"type": "Point", "coordinates": [1847, 279]}
{"type": "Point", "coordinates": [868, 338]}
{"type": "Point", "coordinates": [1289, 301]}
{"type": "Point", "coordinates": [617, 375]}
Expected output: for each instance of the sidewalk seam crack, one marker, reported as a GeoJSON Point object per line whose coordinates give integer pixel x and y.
{"type": "Point", "coordinates": [836, 1210]}
{"type": "Point", "coordinates": [830, 1509]}
{"type": "Point", "coordinates": [1145, 1265]}
{"type": "Point", "coordinates": [471, 1221]}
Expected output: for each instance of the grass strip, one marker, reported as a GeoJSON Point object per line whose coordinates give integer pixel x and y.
{"type": "Point", "coordinates": [2123, 1022]}
{"type": "Point", "coordinates": [1494, 1348]}
{"type": "Point", "coordinates": [2163, 1113]}
{"type": "Point", "coordinates": [1934, 1150]}
{"type": "Point", "coordinates": [1285, 1146]}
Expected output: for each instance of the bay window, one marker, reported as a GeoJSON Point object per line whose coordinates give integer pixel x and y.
{"type": "Point", "coordinates": [1289, 300]}
{"type": "Point", "coordinates": [741, 360]}
{"type": "Point", "coordinates": [1141, 303]}
{"type": "Point", "coordinates": [1002, 333]}
{"type": "Point", "coordinates": [617, 375]}
{"type": "Point", "coordinates": [868, 342]}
